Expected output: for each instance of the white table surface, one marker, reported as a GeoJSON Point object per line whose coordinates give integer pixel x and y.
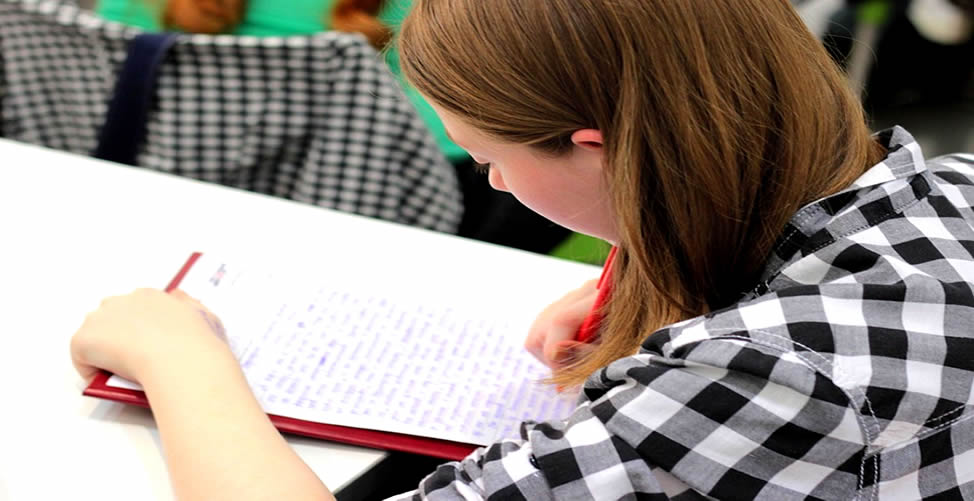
{"type": "Point", "coordinates": [74, 230]}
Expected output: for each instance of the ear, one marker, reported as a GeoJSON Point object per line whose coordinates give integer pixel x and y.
{"type": "Point", "coordinates": [588, 139]}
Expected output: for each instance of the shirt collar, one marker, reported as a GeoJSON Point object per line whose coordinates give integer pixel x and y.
{"type": "Point", "coordinates": [903, 159]}
{"type": "Point", "coordinates": [823, 221]}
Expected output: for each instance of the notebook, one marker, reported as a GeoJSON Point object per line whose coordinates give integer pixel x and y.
{"type": "Point", "coordinates": [379, 367]}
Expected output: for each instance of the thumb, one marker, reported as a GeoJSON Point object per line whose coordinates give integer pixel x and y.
{"type": "Point", "coordinates": [87, 372]}
{"type": "Point", "coordinates": [566, 352]}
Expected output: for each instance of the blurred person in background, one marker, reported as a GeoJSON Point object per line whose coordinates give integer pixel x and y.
{"type": "Point", "coordinates": [488, 215]}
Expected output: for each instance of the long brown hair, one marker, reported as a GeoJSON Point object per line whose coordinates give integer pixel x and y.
{"type": "Point", "coordinates": [221, 16]}
{"type": "Point", "coordinates": [720, 120]}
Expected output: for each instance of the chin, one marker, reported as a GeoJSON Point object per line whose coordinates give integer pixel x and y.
{"type": "Point", "coordinates": [591, 232]}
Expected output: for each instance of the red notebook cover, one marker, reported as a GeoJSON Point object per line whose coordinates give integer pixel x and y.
{"type": "Point", "coordinates": [356, 436]}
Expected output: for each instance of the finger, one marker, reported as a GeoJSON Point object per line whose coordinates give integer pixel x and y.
{"type": "Point", "coordinates": [567, 353]}
{"type": "Point", "coordinates": [195, 304]}
{"type": "Point", "coordinates": [554, 342]}
{"type": "Point", "coordinates": [84, 369]}
{"type": "Point", "coordinates": [577, 303]}
{"type": "Point", "coordinates": [182, 296]}
{"type": "Point", "coordinates": [87, 372]}
{"type": "Point", "coordinates": [190, 300]}
{"type": "Point", "coordinates": [535, 341]}
{"type": "Point", "coordinates": [534, 344]}
{"type": "Point", "coordinates": [570, 298]}
{"type": "Point", "coordinates": [564, 327]}
{"type": "Point", "coordinates": [589, 286]}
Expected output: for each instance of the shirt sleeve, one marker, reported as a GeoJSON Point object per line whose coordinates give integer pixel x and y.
{"type": "Point", "coordinates": [648, 426]}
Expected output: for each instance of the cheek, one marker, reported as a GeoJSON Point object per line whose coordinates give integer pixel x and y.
{"type": "Point", "coordinates": [582, 209]}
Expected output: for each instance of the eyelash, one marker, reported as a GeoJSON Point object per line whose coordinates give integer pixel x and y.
{"type": "Point", "coordinates": [481, 168]}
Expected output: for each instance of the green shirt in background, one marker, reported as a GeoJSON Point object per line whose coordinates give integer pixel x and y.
{"type": "Point", "coordinates": [293, 17]}
{"type": "Point", "coordinates": [392, 15]}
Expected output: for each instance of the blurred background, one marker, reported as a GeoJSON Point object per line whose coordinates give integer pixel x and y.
{"type": "Point", "coordinates": [912, 60]}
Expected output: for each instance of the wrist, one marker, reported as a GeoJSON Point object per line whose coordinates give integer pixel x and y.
{"type": "Point", "coordinates": [199, 362]}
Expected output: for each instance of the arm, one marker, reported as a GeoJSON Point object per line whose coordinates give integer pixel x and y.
{"type": "Point", "coordinates": [219, 443]}
{"type": "Point", "coordinates": [671, 428]}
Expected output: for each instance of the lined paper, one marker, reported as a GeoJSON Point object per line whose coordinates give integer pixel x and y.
{"type": "Point", "coordinates": [386, 360]}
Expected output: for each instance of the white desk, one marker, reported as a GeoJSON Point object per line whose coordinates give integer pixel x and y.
{"type": "Point", "coordinates": [73, 230]}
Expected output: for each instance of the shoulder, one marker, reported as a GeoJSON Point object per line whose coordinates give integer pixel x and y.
{"type": "Point", "coordinates": [885, 331]}
{"type": "Point", "coordinates": [954, 177]}
{"type": "Point", "coordinates": [729, 413]}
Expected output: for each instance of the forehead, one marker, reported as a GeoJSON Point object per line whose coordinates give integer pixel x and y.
{"type": "Point", "coordinates": [458, 130]}
{"type": "Point", "coordinates": [453, 125]}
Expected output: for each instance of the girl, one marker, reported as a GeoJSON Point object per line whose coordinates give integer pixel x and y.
{"type": "Point", "coordinates": [786, 315]}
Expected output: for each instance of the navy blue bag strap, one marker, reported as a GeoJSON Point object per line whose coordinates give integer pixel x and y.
{"type": "Point", "coordinates": [124, 129]}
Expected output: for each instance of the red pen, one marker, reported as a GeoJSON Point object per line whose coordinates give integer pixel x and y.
{"type": "Point", "coordinates": [590, 326]}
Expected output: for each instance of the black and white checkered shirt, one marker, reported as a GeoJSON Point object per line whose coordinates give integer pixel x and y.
{"type": "Point", "coordinates": [848, 375]}
{"type": "Point", "coordinates": [317, 119]}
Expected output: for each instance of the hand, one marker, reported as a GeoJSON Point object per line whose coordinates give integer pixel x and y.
{"type": "Point", "coordinates": [147, 329]}
{"type": "Point", "coordinates": [552, 336]}
{"type": "Point", "coordinates": [208, 418]}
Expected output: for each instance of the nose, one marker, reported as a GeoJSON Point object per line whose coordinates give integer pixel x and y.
{"type": "Point", "coordinates": [496, 180]}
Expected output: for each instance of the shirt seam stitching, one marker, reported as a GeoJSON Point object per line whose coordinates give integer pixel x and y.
{"type": "Point", "coordinates": [863, 427]}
